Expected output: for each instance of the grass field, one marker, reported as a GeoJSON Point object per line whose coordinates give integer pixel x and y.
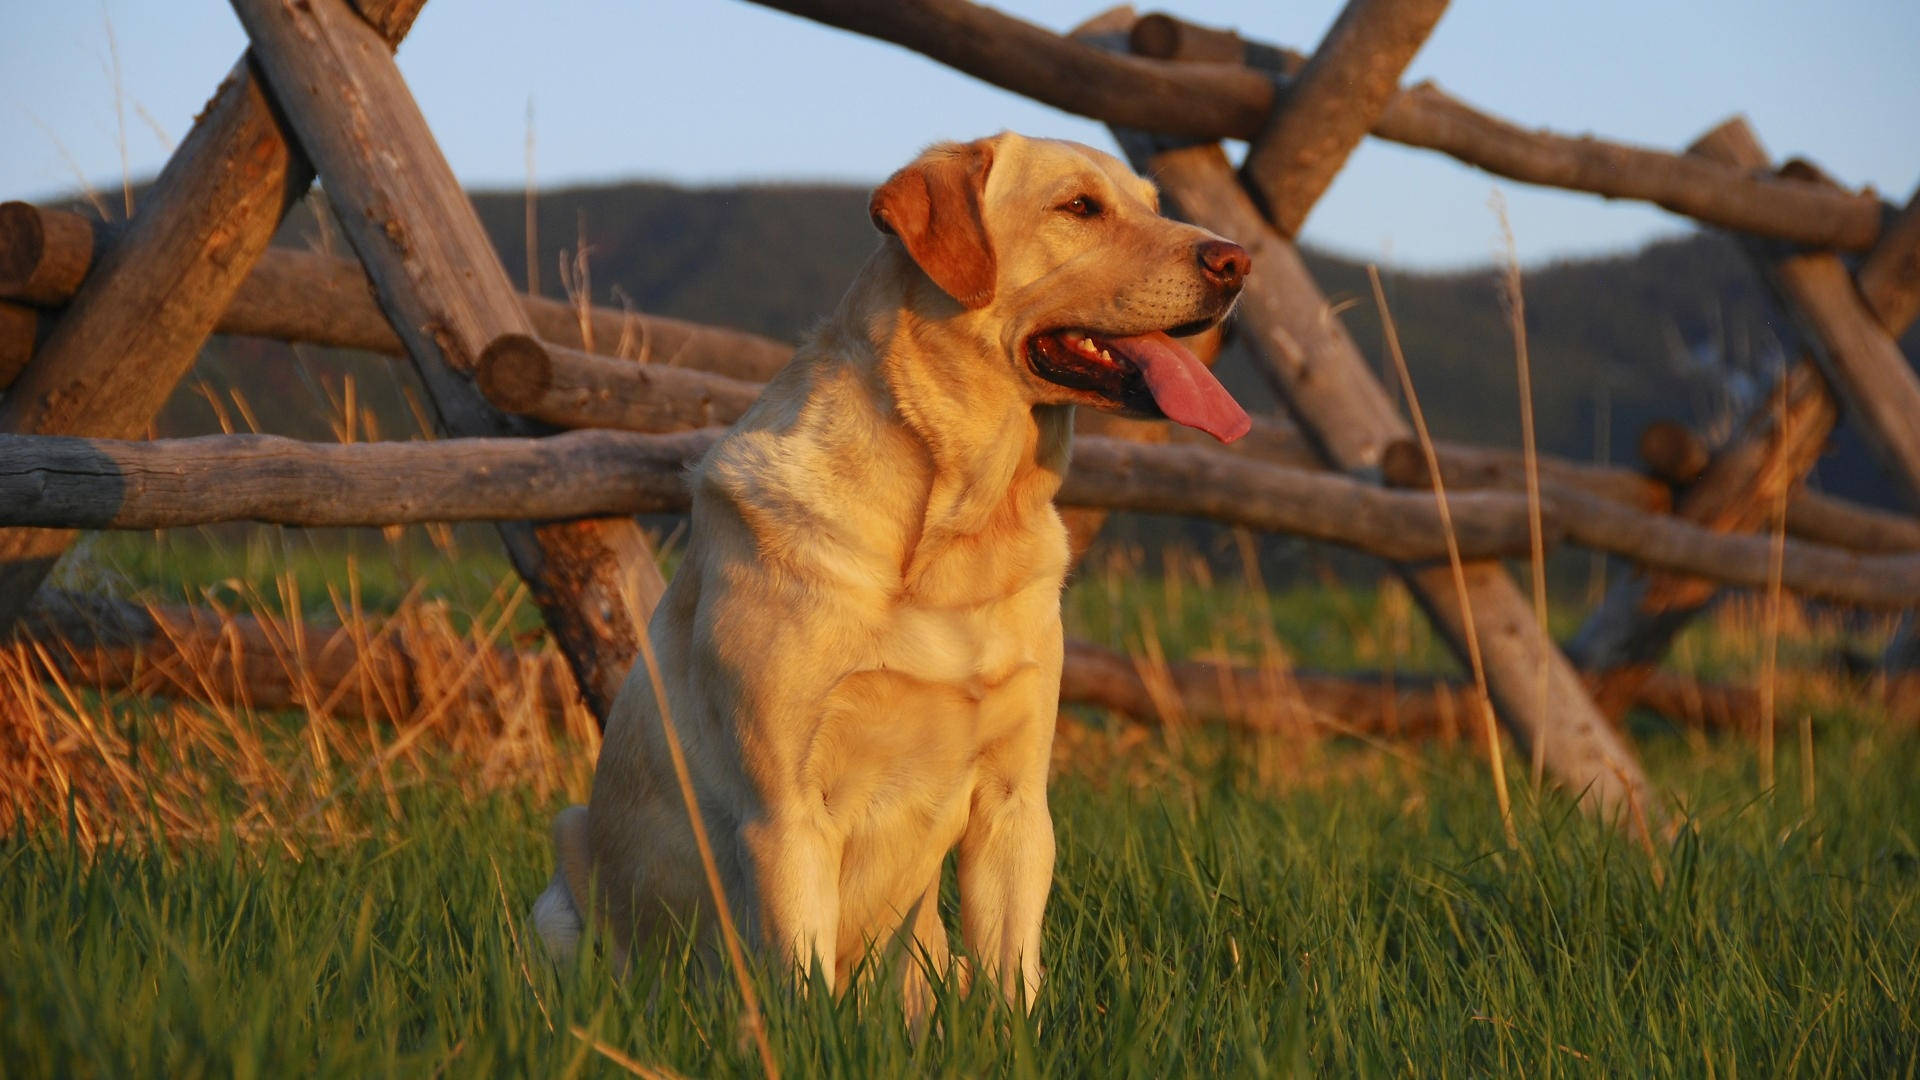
{"type": "Point", "coordinates": [319, 902]}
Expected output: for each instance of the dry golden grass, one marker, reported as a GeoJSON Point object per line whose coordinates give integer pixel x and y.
{"type": "Point", "coordinates": [420, 702]}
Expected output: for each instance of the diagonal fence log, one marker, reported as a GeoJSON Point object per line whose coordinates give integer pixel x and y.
{"type": "Point", "coordinates": [134, 327]}
{"type": "Point", "coordinates": [1332, 101]}
{"type": "Point", "coordinates": [55, 481]}
{"type": "Point", "coordinates": [1775, 448]}
{"type": "Point", "coordinates": [1215, 100]}
{"type": "Point", "coordinates": [1328, 386]}
{"type": "Point", "coordinates": [443, 289]}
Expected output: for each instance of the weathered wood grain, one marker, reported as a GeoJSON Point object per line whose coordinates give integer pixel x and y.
{"type": "Point", "coordinates": [1330, 389]}
{"type": "Point", "coordinates": [575, 389]}
{"type": "Point", "coordinates": [1217, 100]}
{"type": "Point", "coordinates": [305, 296]}
{"type": "Point", "coordinates": [443, 289]}
{"type": "Point", "coordinates": [1775, 448]}
{"type": "Point", "coordinates": [137, 322]}
{"type": "Point", "coordinates": [1340, 93]}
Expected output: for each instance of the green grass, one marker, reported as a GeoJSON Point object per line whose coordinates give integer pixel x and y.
{"type": "Point", "coordinates": [1210, 925]}
{"type": "Point", "coordinates": [1230, 908]}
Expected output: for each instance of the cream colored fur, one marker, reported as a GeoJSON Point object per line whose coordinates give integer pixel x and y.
{"type": "Point", "coordinates": [862, 648]}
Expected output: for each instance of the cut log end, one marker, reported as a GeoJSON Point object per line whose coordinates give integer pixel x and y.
{"type": "Point", "coordinates": [21, 242]}
{"type": "Point", "coordinates": [1731, 142]}
{"type": "Point", "coordinates": [44, 255]}
{"type": "Point", "coordinates": [1404, 465]}
{"type": "Point", "coordinates": [515, 372]}
{"type": "Point", "coordinates": [19, 333]}
{"type": "Point", "coordinates": [1163, 37]}
{"type": "Point", "coordinates": [1673, 453]}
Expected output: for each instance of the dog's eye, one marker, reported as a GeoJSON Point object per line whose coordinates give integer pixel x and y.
{"type": "Point", "coordinates": [1082, 206]}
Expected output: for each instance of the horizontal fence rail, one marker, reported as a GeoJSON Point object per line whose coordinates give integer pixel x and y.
{"type": "Point", "coordinates": [1228, 100]}
{"type": "Point", "coordinates": [51, 481]}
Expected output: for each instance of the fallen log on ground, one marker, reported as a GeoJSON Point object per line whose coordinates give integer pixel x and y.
{"type": "Point", "coordinates": [1359, 703]}
{"type": "Point", "coordinates": [188, 652]}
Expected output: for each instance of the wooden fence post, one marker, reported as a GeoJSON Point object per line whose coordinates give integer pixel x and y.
{"type": "Point", "coordinates": [444, 290]}
{"type": "Point", "coordinates": [137, 322]}
{"type": "Point", "coordinates": [1782, 438]}
{"type": "Point", "coordinates": [1327, 383]}
{"type": "Point", "coordinates": [1343, 89]}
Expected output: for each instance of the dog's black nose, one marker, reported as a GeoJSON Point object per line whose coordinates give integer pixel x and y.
{"type": "Point", "coordinates": [1226, 263]}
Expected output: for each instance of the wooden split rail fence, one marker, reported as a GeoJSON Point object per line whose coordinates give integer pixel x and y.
{"type": "Point", "coordinates": [99, 322]}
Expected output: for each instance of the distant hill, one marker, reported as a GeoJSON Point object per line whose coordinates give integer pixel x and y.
{"type": "Point", "coordinates": [1682, 329]}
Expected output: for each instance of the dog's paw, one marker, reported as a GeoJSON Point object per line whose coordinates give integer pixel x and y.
{"type": "Point", "coordinates": [558, 921]}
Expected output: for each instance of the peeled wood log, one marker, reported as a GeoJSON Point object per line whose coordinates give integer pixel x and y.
{"type": "Point", "coordinates": [1320, 373]}
{"type": "Point", "coordinates": [1777, 445]}
{"type": "Point", "coordinates": [305, 296]}
{"type": "Point", "coordinates": [1673, 544]}
{"type": "Point", "coordinates": [1743, 559]}
{"type": "Point", "coordinates": [1889, 279]}
{"type": "Point", "coordinates": [1787, 209]}
{"type": "Point", "coordinates": [54, 481]}
{"type": "Point", "coordinates": [1330, 389]}
{"type": "Point", "coordinates": [1331, 103]}
{"type": "Point", "coordinates": [1220, 100]}
{"type": "Point", "coordinates": [580, 390]}
{"type": "Point", "coordinates": [444, 290]}
{"type": "Point", "coordinates": [1824, 519]}
{"type": "Point", "coordinates": [1195, 481]}
{"type": "Point", "coordinates": [1862, 360]}
{"type": "Point", "coordinates": [1811, 515]}
{"type": "Point", "coordinates": [137, 322]}
{"type": "Point", "coordinates": [1404, 465]}
{"type": "Point", "coordinates": [108, 484]}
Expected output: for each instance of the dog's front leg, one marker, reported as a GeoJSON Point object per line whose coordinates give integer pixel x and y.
{"type": "Point", "coordinates": [796, 868]}
{"type": "Point", "coordinates": [1006, 869]}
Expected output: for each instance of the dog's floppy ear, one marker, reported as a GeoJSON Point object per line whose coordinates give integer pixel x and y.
{"type": "Point", "coordinates": [933, 206]}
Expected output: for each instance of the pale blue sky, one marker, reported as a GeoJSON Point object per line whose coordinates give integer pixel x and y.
{"type": "Point", "coordinates": [720, 90]}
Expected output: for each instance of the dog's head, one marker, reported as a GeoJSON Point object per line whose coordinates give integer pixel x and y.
{"type": "Point", "coordinates": [1059, 252]}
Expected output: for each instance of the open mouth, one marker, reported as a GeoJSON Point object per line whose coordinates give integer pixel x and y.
{"type": "Point", "coordinates": [1147, 375]}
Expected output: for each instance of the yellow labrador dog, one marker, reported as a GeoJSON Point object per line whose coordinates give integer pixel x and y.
{"type": "Point", "coordinates": [861, 651]}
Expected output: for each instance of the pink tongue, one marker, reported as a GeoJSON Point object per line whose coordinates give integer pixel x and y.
{"type": "Point", "coordinates": [1183, 387]}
